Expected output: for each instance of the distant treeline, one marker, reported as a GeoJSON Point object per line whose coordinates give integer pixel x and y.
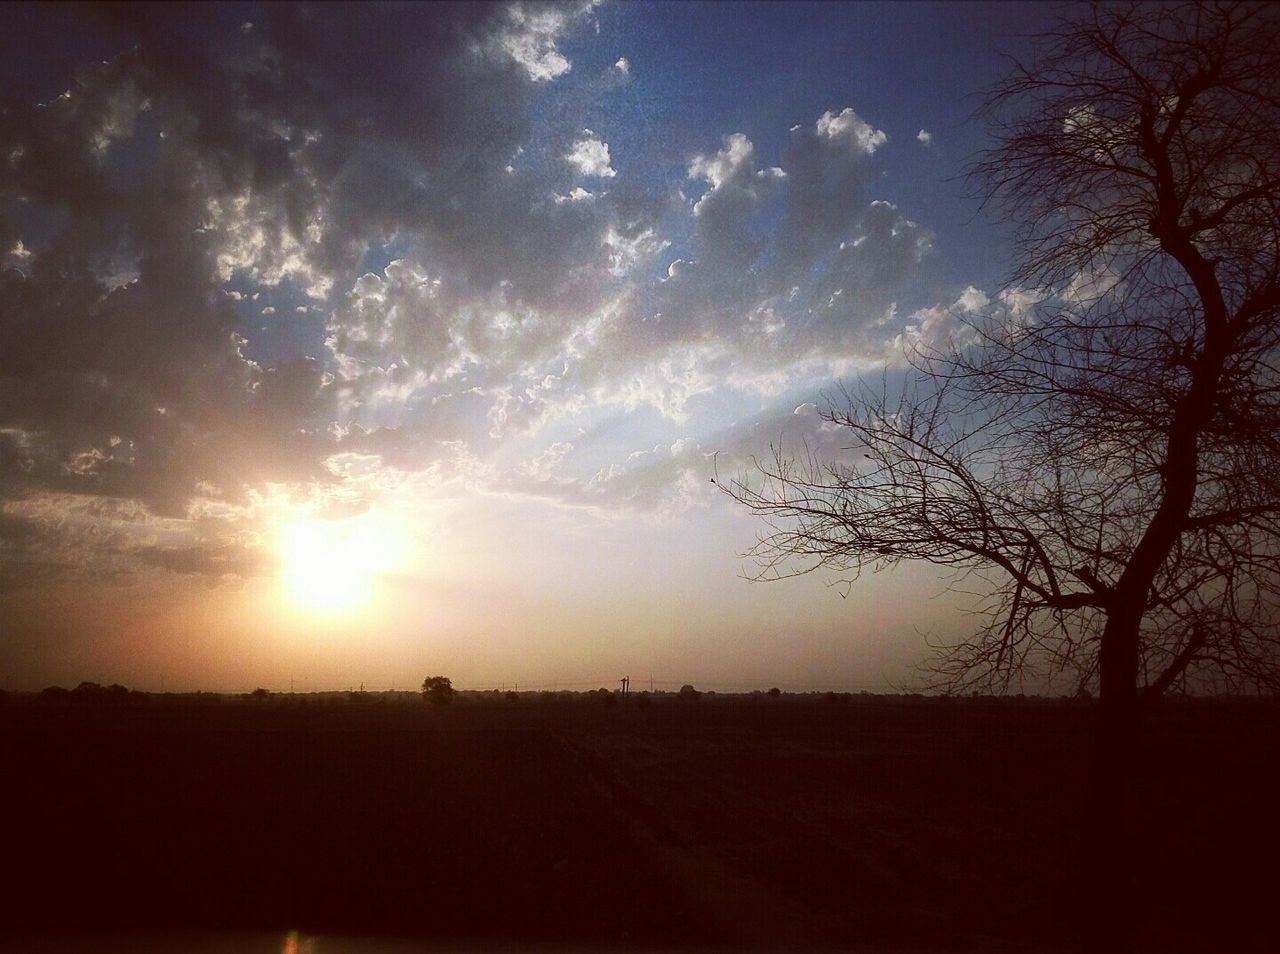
{"type": "Point", "coordinates": [92, 693]}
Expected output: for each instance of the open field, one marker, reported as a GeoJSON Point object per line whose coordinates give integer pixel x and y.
{"type": "Point", "coordinates": [876, 823]}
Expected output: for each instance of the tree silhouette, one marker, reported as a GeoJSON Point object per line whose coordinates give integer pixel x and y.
{"type": "Point", "coordinates": [1100, 448]}
{"type": "Point", "coordinates": [437, 689]}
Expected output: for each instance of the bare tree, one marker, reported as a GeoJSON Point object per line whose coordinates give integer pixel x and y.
{"type": "Point", "coordinates": [1101, 448]}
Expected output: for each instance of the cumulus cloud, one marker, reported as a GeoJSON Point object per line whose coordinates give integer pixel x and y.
{"type": "Point", "coordinates": [578, 194]}
{"type": "Point", "coordinates": [848, 128]}
{"type": "Point", "coordinates": [590, 156]}
{"type": "Point", "coordinates": [958, 325]}
{"type": "Point", "coordinates": [755, 304]}
{"type": "Point", "coordinates": [924, 137]}
{"type": "Point", "coordinates": [627, 251]}
{"type": "Point", "coordinates": [1086, 288]}
{"type": "Point", "coordinates": [531, 36]}
{"type": "Point", "coordinates": [719, 168]}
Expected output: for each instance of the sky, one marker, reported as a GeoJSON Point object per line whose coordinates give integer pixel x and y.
{"type": "Point", "coordinates": [347, 345]}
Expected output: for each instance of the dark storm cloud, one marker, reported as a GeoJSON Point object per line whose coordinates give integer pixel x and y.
{"type": "Point", "coordinates": [15, 531]}
{"type": "Point", "coordinates": [272, 143]}
{"type": "Point", "coordinates": [208, 561]}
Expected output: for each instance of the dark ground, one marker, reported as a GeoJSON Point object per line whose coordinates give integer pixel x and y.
{"type": "Point", "coordinates": [873, 824]}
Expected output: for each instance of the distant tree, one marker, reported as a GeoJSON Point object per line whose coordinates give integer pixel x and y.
{"type": "Point", "coordinates": [688, 693]}
{"type": "Point", "coordinates": [437, 689]}
{"type": "Point", "coordinates": [260, 694]}
{"type": "Point", "coordinates": [1101, 455]}
{"type": "Point", "coordinates": [775, 692]}
{"type": "Point", "coordinates": [54, 694]}
{"type": "Point", "coordinates": [87, 692]}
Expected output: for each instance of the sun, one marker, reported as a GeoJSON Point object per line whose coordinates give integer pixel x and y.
{"type": "Point", "coordinates": [331, 566]}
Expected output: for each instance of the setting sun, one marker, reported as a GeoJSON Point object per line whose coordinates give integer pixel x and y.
{"type": "Point", "coordinates": [331, 566]}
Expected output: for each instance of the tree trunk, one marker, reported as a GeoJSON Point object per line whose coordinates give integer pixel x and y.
{"type": "Point", "coordinates": [1109, 874]}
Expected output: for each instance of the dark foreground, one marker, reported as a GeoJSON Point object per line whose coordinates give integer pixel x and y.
{"type": "Point", "coordinates": [870, 824]}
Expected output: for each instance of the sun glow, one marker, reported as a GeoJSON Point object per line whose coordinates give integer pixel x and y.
{"type": "Point", "coordinates": [332, 566]}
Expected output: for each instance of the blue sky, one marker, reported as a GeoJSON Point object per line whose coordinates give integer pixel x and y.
{"type": "Point", "coordinates": [475, 300]}
{"type": "Point", "coordinates": [760, 68]}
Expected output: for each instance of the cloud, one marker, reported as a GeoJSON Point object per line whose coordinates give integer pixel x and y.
{"type": "Point", "coordinates": [578, 194]}
{"type": "Point", "coordinates": [670, 478]}
{"type": "Point", "coordinates": [943, 327]}
{"type": "Point", "coordinates": [846, 127]}
{"type": "Point", "coordinates": [530, 37]}
{"type": "Point", "coordinates": [1090, 286]}
{"type": "Point", "coordinates": [665, 480]}
{"type": "Point", "coordinates": [627, 251]}
{"type": "Point", "coordinates": [590, 156]}
{"type": "Point", "coordinates": [218, 562]}
{"type": "Point", "coordinates": [305, 256]}
{"type": "Point", "coordinates": [924, 137]}
{"type": "Point", "coordinates": [972, 300]}
{"type": "Point", "coordinates": [718, 169]}
{"type": "Point", "coordinates": [273, 157]}
{"type": "Point", "coordinates": [756, 303]}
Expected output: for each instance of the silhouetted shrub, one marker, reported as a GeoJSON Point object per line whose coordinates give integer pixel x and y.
{"type": "Point", "coordinates": [688, 693]}
{"type": "Point", "coordinates": [87, 692]}
{"type": "Point", "coordinates": [94, 694]}
{"type": "Point", "coordinates": [55, 694]}
{"type": "Point", "coordinates": [775, 692]}
{"type": "Point", "coordinates": [437, 689]}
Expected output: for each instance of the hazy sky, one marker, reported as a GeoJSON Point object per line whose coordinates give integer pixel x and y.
{"type": "Point", "coordinates": [354, 344]}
